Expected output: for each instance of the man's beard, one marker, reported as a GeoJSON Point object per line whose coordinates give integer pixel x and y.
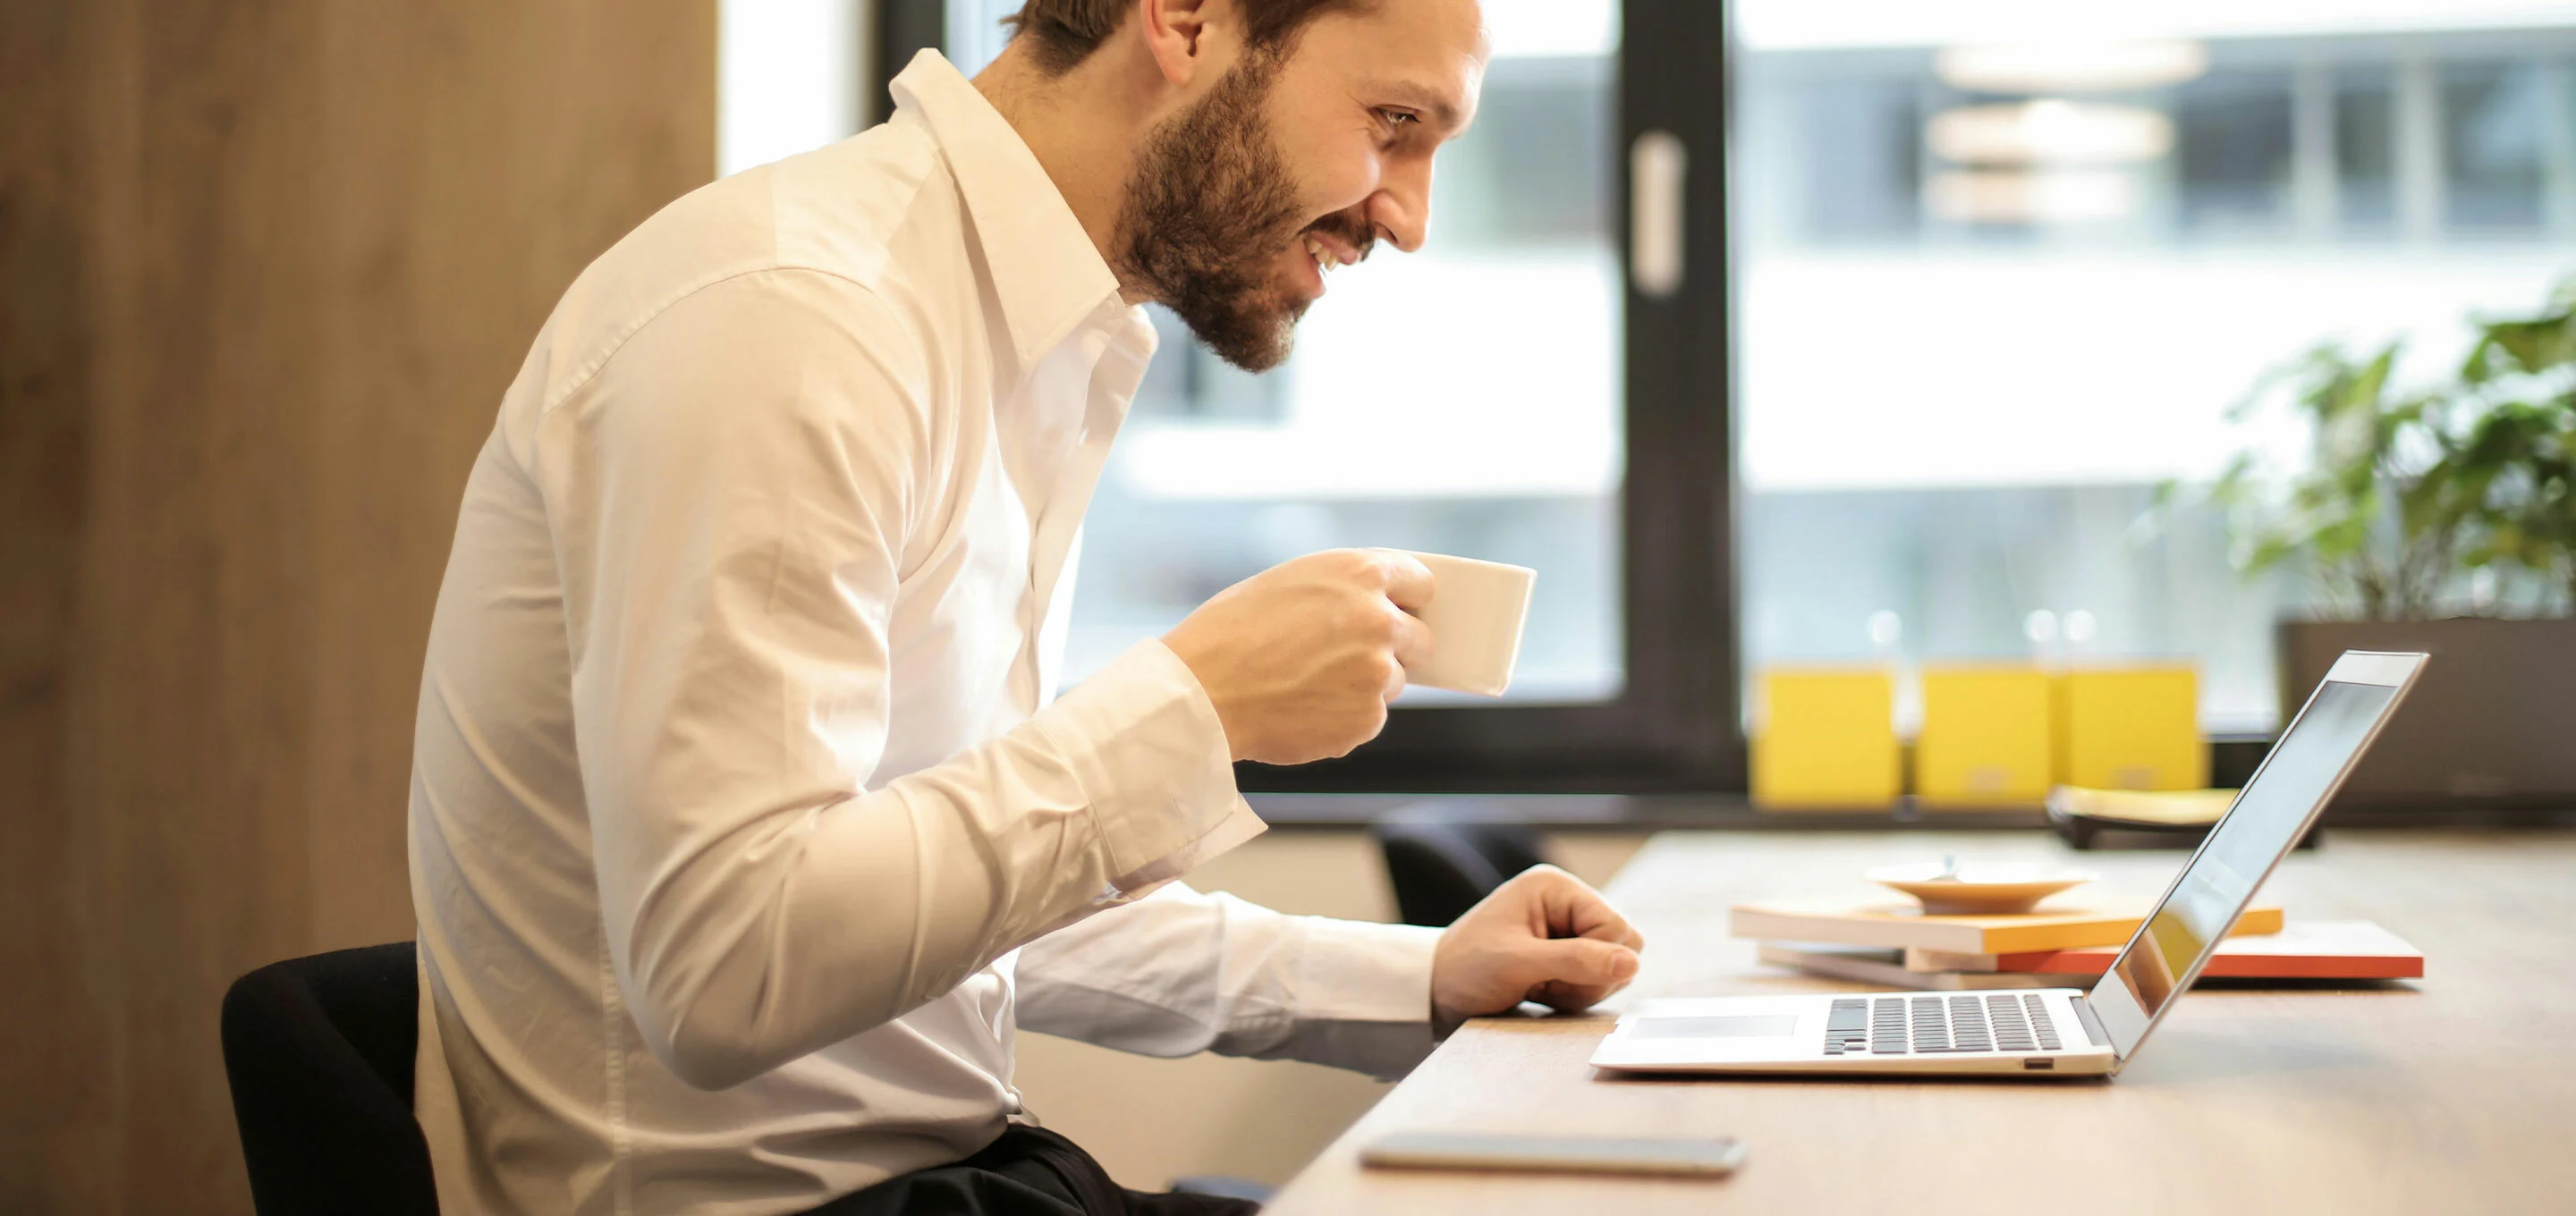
{"type": "Point", "coordinates": [1209, 209]}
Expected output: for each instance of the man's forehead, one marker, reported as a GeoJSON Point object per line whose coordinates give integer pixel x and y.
{"type": "Point", "coordinates": [1426, 55]}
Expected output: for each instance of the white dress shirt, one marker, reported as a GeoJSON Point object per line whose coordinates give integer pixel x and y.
{"type": "Point", "coordinates": [743, 829]}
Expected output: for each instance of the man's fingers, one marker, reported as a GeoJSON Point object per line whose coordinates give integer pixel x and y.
{"type": "Point", "coordinates": [1589, 915]}
{"type": "Point", "coordinates": [1412, 643]}
{"type": "Point", "coordinates": [1572, 998]}
{"type": "Point", "coordinates": [1576, 973]}
{"type": "Point", "coordinates": [1408, 581]}
{"type": "Point", "coordinates": [1583, 962]}
{"type": "Point", "coordinates": [1604, 922]}
{"type": "Point", "coordinates": [1568, 907]}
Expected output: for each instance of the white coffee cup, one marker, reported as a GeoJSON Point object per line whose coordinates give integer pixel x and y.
{"type": "Point", "coordinates": [1475, 615]}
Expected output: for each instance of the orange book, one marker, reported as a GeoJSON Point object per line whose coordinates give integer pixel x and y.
{"type": "Point", "coordinates": [1905, 925]}
{"type": "Point", "coordinates": [2301, 950]}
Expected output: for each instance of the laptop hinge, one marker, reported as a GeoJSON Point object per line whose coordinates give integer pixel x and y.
{"type": "Point", "coordinates": [2092, 1025]}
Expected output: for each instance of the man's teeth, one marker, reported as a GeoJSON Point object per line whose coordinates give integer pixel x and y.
{"type": "Point", "coordinates": [1324, 258]}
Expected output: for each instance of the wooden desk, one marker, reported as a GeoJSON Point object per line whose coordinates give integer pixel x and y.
{"type": "Point", "coordinates": [2454, 1093]}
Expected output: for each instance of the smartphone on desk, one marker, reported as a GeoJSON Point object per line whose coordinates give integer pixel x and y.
{"type": "Point", "coordinates": [1702, 1157]}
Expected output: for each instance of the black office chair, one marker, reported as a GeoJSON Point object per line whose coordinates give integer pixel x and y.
{"type": "Point", "coordinates": [319, 1053]}
{"type": "Point", "coordinates": [1444, 856]}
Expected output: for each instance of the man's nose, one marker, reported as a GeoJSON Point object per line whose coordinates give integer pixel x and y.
{"type": "Point", "coordinates": [1401, 208]}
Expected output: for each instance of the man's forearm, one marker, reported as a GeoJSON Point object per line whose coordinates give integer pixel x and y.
{"type": "Point", "coordinates": [1182, 972]}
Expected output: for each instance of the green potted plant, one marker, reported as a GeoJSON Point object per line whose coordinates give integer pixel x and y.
{"type": "Point", "coordinates": [2439, 517]}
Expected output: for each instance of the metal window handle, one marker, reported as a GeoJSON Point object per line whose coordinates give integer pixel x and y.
{"type": "Point", "coordinates": [1658, 169]}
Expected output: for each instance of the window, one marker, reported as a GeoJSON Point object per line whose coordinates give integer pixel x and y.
{"type": "Point", "coordinates": [788, 77]}
{"type": "Point", "coordinates": [1996, 284]}
{"type": "Point", "coordinates": [1958, 294]}
{"type": "Point", "coordinates": [2495, 124]}
{"type": "Point", "coordinates": [2365, 132]}
{"type": "Point", "coordinates": [2232, 153]}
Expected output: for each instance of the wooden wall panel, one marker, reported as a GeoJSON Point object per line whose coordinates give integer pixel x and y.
{"type": "Point", "coordinates": [483, 154]}
{"type": "Point", "coordinates": [195, 591]}
{"type": "Point", "coordinates": [48, 1030]}
{"type": "Point", "coordinates": [267, 271]}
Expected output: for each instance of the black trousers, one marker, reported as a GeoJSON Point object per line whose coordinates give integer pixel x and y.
{"type": "Point", "coordinates": [1030, 1171]}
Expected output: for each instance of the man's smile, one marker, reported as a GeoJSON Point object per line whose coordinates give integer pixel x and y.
{"type": "Point", "coordinates": [1324, 252]}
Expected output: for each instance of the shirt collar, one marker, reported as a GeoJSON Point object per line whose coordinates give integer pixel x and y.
{"type": "Point", "coordinates": [1047, 274]}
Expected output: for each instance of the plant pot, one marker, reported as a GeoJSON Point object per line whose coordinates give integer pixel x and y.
{"type": "Point", "coordinates": [2491, 724]}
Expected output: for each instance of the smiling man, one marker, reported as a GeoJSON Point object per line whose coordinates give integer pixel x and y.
{"type": "Point", "coordinates": [745, 828]}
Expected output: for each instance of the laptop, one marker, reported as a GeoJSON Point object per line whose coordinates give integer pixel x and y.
{"type": "Point", "coordinates": [2047, 1032]}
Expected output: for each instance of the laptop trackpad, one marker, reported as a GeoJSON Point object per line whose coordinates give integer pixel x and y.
{"type": "Point", "coordinates": [1741, 1026]}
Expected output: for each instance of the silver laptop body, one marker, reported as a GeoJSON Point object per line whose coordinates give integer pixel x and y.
{"type": "Point", "coordinates": [2050, 1032]}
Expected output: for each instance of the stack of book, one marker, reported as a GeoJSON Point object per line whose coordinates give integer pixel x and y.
{"type": "Point", "coordinates": [1896, 945]}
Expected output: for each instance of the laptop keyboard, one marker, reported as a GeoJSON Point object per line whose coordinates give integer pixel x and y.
{"type": "Point", "coordinates": [1899, 1025]}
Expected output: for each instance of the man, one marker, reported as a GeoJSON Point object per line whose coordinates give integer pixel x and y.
{"type": "Point", "coordinates": [743, 829]}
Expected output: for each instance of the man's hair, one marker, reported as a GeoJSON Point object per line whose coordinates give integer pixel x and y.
{"type": "Point", "coordinates": [1063, 33]}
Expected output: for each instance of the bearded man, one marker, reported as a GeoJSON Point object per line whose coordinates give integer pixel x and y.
{"type": "Point", "coordinates": [744, 826]}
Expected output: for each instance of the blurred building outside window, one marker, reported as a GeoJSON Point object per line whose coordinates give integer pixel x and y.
{"type": "Point", "coordinates": [2002, 267]}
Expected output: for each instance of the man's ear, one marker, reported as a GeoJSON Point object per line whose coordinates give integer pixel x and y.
{"type": "Point", "coordinates": [1176, 33]}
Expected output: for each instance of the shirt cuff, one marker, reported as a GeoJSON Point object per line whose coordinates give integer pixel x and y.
{"type": "Point", "coordinates": [1146, 744]}
{"type": "Point", "coordinates": [1361, 971]}
{"type": "Point", "coordinates": [1363, 995]}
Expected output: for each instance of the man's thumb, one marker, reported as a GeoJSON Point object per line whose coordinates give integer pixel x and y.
{"type": "Point", "coordinates": [1586, 960]}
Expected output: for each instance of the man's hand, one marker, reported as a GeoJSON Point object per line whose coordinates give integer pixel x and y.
{"type": "Point", "coordinates": [1302, 658]}
{"type": "Point", "coordinates": [1544, 936]}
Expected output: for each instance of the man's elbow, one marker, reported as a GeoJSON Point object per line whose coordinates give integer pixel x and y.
{"type": "Point", "coordinates": [702, 1024]}
{"type": "Point", "coordinates": [711, 1062]}
{"type": "Point", "coordinates": [720, 1001]}
{"type": "Point", "coordinates": [712, 1044]}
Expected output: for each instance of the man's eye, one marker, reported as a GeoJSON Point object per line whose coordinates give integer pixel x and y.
{"type": "Point", "coordinates": [1397, 118]}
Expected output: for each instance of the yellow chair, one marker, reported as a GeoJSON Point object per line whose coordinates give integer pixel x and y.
{"type": "Point", "coordinates": [2131, 728]}
{"type": "Point", "coordinates": [1988, 738]}
{"type": "Point", "coordinates": [1825, 739]}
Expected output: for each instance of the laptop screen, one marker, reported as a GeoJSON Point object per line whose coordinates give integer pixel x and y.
{"type": "Point", "coordinates": [2267, 818]}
